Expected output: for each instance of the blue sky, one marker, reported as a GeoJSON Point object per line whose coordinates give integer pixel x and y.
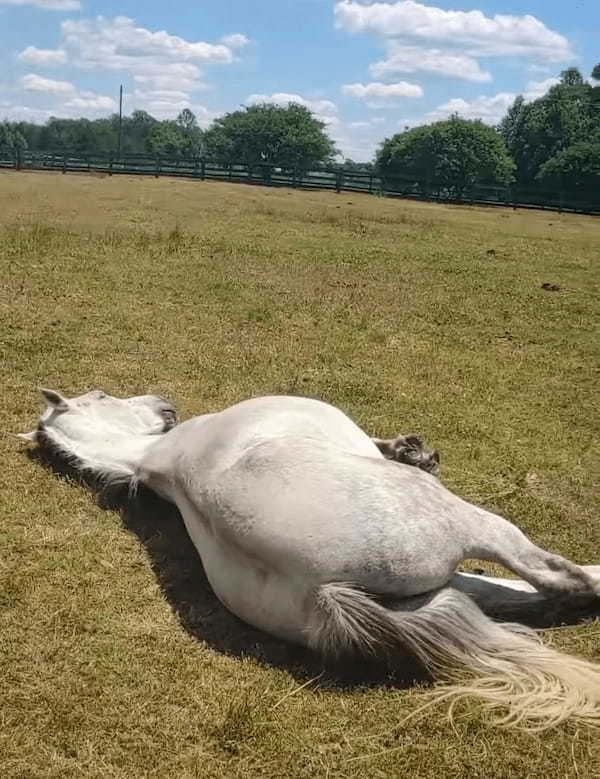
{"type": "Point", "coordinates": [367, 69]}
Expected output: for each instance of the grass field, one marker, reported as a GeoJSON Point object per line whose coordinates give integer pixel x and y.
{"type": "Point", "coordinates": [115, 658]}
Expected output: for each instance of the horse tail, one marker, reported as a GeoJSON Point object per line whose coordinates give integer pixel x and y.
{"type": "Point", "coordinates": [504, 665]}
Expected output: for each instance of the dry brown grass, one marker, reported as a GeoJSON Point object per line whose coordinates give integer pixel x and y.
{"type": "Point", "coordinates": [115, 658]}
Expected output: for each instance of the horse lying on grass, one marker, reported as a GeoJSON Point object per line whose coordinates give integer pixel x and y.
{"type": "Point", "coordinates": [319, 535]}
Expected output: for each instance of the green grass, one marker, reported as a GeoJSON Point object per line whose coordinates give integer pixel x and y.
{"type": "Point", "coordinates": [115, 658]}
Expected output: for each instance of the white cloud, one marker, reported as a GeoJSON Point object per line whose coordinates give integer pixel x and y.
{"type": "Point", "coordinates": [89, 101]}
{"type": "Point", "coordinates": [414, 59]}
{"type": "Point", "coordinates": [367, 123]}
{"type": "Point", "coordinates": [421, 38]}
{"type": "Point", "coordinates": [540, 69]}
{"type": "Point", "coordinates": [42, 57]}
{"type": "Point", "coordinates": [167, 104]}
{"type": "Point", "coordinates": [22, 113]}
{"type": "Point", "coordinates": [324, 110]}
{"type": "Point", "coordinates": [537, 89]}
{"type": "Point", "coordinates": [120, 44]}
{"type": "Point", "coordinates": [157, 61]}
{"type": "Point", "coordinates": [168, 75]}
{"type": "Point", "coordinates": [471, 32]}
{"type": "Point", "coordinates": [167, 95]}
{"type": "Point", "coordinates": [161, 103]}
{"type": "Point", "coordinates": [378, 95]}
{"type": "Point", "coordinates": [205, 116]}
{"type": "Point", "coordinates": [49, 5]}
{"type": "Point", "coordinates": [358, 140]}
{"type": "Point", "coordinates": [166, 70]}
{"type": "Point", "coordinates": [35, 83]}
{"type": "Point", "coordinates": [72, 99]}
{"type": "Point", "coordinates": [235, 41]}
{"type": "Point", "coordinates": [490, 109]}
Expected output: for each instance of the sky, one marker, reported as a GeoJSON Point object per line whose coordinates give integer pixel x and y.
{"type": "Point", "coordinates": [366, 69]}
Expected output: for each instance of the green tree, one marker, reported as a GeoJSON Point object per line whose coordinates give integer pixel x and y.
{"type": "Point", "coordinates": [168, 139]}
{"type": "Point", "coordinates": [596, 72]}
{"type": "Point", "coordinates": [29, 132]}
{"type": "Point", "coordinates": [290, 138]}
{"type": "Point", "coordinates": [194, 136]}
{"type": "Point", "coordinates": [511, 127]}
{"type": "Point", "coordinates": [575, 169]}
{"type": "Point", "coordinates": [187, 120]}
{"type": "Point", "coordinates": [571, 77]}
{"type": "Point", "coordinates": [135, 131]}
{"type": "Point", "coordinates": [535, 132]}
{"type": "Point", "coordinates": [351, 166]}
{"type": "Point", "coordinates": [11, 139]}
{"type": "Point", "coordinates": [57, 134]}
{"type": "Point", "coordinates": [452, 156]}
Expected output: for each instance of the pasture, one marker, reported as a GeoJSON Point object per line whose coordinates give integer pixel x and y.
{"type": "Point", "coordinates": [116, 660]}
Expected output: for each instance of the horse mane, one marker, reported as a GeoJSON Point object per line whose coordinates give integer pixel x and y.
{"type": "Point", "coordinates": [109, 483]}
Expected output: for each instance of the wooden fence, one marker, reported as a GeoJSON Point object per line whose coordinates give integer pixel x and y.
{"type": "Point", "coordinates": [337, 179]}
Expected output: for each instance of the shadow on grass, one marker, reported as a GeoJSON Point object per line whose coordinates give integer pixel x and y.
{"type": "Point", "coordinates": [178, 568]}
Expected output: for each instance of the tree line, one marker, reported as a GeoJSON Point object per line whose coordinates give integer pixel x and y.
{"type": "Point", "coordinates": [551, 142]}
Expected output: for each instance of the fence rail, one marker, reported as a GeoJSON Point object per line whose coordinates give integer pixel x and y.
{"type": "Point", "coordinates": [337, 179]}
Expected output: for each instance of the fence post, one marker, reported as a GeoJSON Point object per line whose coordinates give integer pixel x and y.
{"type": "Point", "coordinates": [339, 176]}
{"type": "Point", "coordinates": [157, 171]}
{"type": "Point", "coordinates": [202, 169]}
{"type": "Point", "coordinates": [64, 170]}
{"type": "Point", "coordinates": [18, 162]}
{"type": "Point", "coordinates": [110, 164]}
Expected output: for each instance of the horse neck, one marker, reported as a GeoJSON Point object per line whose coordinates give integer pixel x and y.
{"type": "Point", "coordinates": [108, 455]}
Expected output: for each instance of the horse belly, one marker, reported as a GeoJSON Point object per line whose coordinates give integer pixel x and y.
{"type": "Point", "coordinates": [247, 586]}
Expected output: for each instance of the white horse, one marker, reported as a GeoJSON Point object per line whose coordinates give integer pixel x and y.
{"type": "Point", "coordinates": [309, 532]}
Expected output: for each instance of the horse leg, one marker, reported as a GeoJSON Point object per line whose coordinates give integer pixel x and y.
{"type": "Point", "coordinates": [515, 600]}
{"type": "Point", "coordinates": [410, 450]}
{"type": "Point", "coordinates": [494, 538]}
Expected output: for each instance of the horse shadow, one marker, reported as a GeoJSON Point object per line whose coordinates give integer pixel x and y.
{"type": "Point", "coordinates": [177, 566]}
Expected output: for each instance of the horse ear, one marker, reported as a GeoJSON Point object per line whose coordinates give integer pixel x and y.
{"type": "Point", "coordinates": [55, 399]}
{"type": "Point", "coordinates": [28, 436]}
{"type": "Point", "coordinates": [436, 456]}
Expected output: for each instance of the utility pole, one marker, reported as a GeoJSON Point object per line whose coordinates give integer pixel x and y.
{"type": "Point", "coordinates": [120, 120]}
